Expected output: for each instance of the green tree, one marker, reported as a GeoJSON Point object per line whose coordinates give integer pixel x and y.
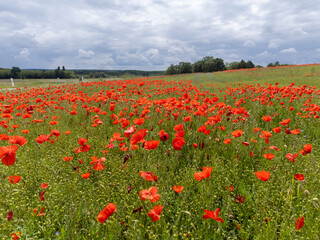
{"type": "Point", "coordinates": [198, 66]}
{"type": "Point", "coordinates": [58, 72]}
{"type": "Point", "coordinates": [250, 64]}
{"type": "Point", "coordinates": [185, 67]}
{"type": "Point", "coordinates": [219, 64]}
{"type": "Point", "coordinates": [242, 64]}
{"type": "Point", "coordinates": [15, 72]}
{"type": "Point", "coordinates": [172, 69]}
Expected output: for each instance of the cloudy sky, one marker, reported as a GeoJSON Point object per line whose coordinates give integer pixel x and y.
{"type": "Point", "coordinates": [152, 34]}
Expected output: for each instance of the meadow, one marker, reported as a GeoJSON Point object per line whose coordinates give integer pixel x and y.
{"type": "Point", "coordinates": [224, 155]}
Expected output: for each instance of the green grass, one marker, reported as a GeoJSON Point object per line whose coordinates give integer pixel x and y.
{"type": "Point", "coordinates": [72, 204]}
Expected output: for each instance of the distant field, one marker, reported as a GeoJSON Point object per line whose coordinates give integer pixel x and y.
{"type": "Point", "coordinates": [21, 83]}
{"type": "Point", "coordinates": [305, 74]}
{"type": "Point", "coordinates": [224, 155]}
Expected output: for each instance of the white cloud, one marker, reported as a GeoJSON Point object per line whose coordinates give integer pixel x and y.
{"type": "Point", "coordinates": [288, 50]}
{"type": "Point", "coordinates": [85, 54]}
{"type": "Point", "coordinates": [24, 54]}
{"type": "Point", "coordinates": [273, 43]}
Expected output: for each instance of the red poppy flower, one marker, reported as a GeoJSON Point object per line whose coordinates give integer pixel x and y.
{"type": "Point", "coordinates": [187, 119]}
{"type": "Point", "coordinates": [25, 131]}
{"type": "Point", "coordinates": [67, 159]}
{"type": "Point", "coordinates": [230, 188]}
{"type": "Point", "coordinates": [151, 144]}
{"type": "Point", "coordinates": [299, 222]}
{"type": "Point", "coordinates": [263, 175]}
{"type": "Point", "coordinates": [163, 135]}
{"type": "Point", "coordinates": [274, 148]}
{"type": "Point", "coordinates": [295, 131]}
{"type": "Point", "coordinates": [204, 174]}
{"type": "Point", "coordinates": [138, 121]}
{"type": "Point", "coordinates": [86, 175]}
{"type": "Point", "coordinates": [202, 128]}
{"type": "Point", "coordinates": [53, 122]}
{"type": "Point", "coordinates": [15, 236]}
{"type": "Point", "coordinates": [213, 215]}
{"type": "Point", "coordinates": [178, 142]}
{"type": "Point", "coordinates": [106, 212]}
{"type": "Point", "coordinates": [256, 130]}
{"type": "Point", "coordinates": [292, 157]}
{"type": "Point", "coordinates": [180, 134]}
{"type": "Point", "coordinates": [14, 179]}
{"type": "Point", "coordinates": [138, 136]}
{"type": "Point", "coordinates": [299, 177]}
{"type": "Point", "coordinates": [237, 133]}
{"type": "Point", "coordinates": [267, 118]}
{"type": "Point", "coordinates": [155, 213]}
{"type": "Point", "coordinates": [98, 165]}
{"type": "Point", "coordinates": [149, 176]}
{"type": "Point", "coordinates": [285, 122]}
{"type": "Point", "coordinates": [42, 138]}
{"type": "Point", "coordinates": [41, 213]}
{"type": "Point", "coordinates": [269, 156]}
{"type": "Point", "coordinates": [18, 140]}
{"type": "Point", "coordinates": [8, 154]}
{"type": "Point", "coordinates": [306, 149]}
{"type": "Point", "coordinates": [277, 129]}
{"type": "Point", "coordinates": [150, 194]}
{"type": "Point", "coordinates": [227, 141]}
{"type": "Point", "coordinates": [44, 185]}
{"type": "Point", "coordinates": [178, 127]}
{"type": "Point", "coordinates": [178, 189]}
{"type": "Point", "coordinates": [82, 141]}
{"type": "Point", "coordinates": [41, 196]}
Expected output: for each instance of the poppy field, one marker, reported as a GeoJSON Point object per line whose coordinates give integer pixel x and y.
{"type": "Point", "coordinates": [197, 156]}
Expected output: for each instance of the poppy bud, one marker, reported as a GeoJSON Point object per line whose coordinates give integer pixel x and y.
{"type": "Point", "coordinates": [10, 214]}
{"type": "Point", "coordinates": [125, 159]}
{"type": "Point", "coordinates": [307, 193]}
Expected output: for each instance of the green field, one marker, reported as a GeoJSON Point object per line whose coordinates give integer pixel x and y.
{"type": "Point", "coordinates": [244, 145]}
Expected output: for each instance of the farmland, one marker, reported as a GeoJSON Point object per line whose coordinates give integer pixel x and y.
{"type": "Point", "coordinates": [224, 155]}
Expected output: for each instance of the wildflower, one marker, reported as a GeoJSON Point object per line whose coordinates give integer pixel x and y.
{"type": "Point", "coordinates": [155, 213]}
{"type": "Point", "coordinates": [204, 174]}
{"type": "Point", "coordinates": [106, 212]}
{"type": "Point", "coordinates": [178, 189]}
{"type": "Point", "coordinates": [150, 194]}
{"type": "Point", "coordinates": [263, 175]}
{"type": "Point", "coordinates": [213, 215]}
{"type": "Point", "coordinates": [8, 154]}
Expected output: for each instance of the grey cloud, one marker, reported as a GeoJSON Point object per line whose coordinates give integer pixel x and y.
{"type": "Point", "coordinates": [151, 35]}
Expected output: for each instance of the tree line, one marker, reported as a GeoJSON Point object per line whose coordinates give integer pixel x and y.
{"type": "Point", "coordinates": [62, 73]}
{"type": "Point", "coordinates": [207, 64]}
{"type": "Point", "coordinates": [17, 73]}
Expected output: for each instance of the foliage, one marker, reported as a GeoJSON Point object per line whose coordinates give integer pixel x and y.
{"type": "Point", "coordinates": [163, 158]}
{"type": "Point", "coordinates": [207, 64]}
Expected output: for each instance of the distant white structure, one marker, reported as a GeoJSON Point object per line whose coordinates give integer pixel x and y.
{"type": "Point", "coordinates": [82, 79]}
{"type": "Point", "coordinates": [58, 79]}
{"type": "Point", "coordinates": [12, 83]}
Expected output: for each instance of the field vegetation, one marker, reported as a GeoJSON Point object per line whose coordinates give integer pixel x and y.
{"type": "Point", "coordinates": [223, 155]}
